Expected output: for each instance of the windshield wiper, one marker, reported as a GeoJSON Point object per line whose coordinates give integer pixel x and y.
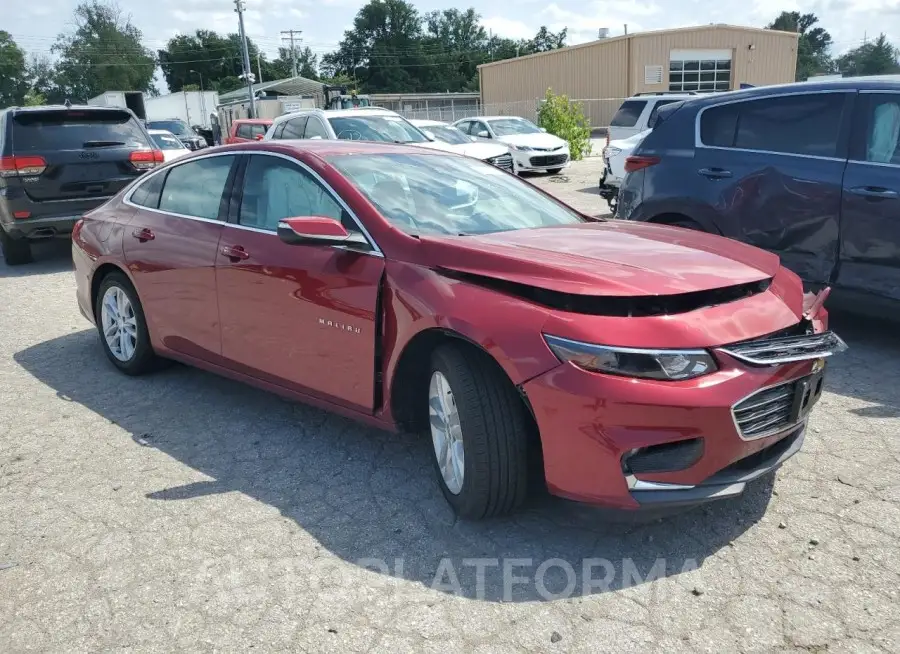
{"type": "Point", "coordinates": [101, 144]}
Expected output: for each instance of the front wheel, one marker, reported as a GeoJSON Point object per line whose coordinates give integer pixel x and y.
{"type": "Point", "coordinates": [122, 326]}
{"type": "Point", "coordinates": [479, 434]}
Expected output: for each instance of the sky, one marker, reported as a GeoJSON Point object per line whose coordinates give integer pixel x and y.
{"type": "Point", "coordinates": [35, 25]}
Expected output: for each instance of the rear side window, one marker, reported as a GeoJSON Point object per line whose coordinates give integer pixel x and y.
{"type": "Point", "coordinates": [75, 130]}
{"type": "Point", "coordinates": [195, 188]}
{"type": "Point", "coordinates": [279, 129]}
{"type": "Point", "coordinates": [243, 131]}
{"type": "Point", "coordinates": [628, 113]}
{"type": "Point", "coordinates": [147, 193]}
{"type": "Point", "coordinates": [807, 124]}
{"type": "Point", "coordinates": [315, 128]}
{"type": "Point", "coordinates": [661, 103]}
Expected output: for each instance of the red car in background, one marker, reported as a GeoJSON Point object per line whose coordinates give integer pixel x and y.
{"type": "Point", "coordinates": [246, 130]}
{"type": "Point", "coordinates": [641, 365]}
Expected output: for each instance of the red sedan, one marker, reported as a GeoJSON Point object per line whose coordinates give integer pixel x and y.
{"type": "Point", "coordinates": [637, 365]}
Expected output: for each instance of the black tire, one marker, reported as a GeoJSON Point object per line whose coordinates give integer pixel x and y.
{"type": "Point", "coordinates": [554, 171]}
{"type": "Point", "coordinates": [16, 252]}
{"type": "Point", "coordinates": [143, 359]}
{"type": "Point", "coordinates": [495, 431]}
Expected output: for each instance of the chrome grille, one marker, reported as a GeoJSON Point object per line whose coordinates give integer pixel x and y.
{"type": "Point", "coordinates": [786, 349]}
{"type": "Point", "coordinates": [503, 161]}
{"type": "Point", "coordinates": [549, 160]}
{"type": "Point", "coordinates": [765, 412]}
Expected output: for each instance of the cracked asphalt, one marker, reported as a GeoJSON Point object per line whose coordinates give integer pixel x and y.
{"type": "Point", "coordinates": [185, 512]}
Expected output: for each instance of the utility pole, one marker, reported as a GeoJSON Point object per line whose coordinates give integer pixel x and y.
{"type": "Point", "coordinates": [290, 34]}
{"type": "Point", "coordinates": [259, 69]}
{"type": "Point", "coordinates": [248, 72]}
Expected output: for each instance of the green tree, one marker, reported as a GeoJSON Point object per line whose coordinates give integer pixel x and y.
{"type": "Point", "coordinates": [207, 54]}
{"type": "Point", "coordinates": [307, 64]}
{"type": "Point", "coordinates": [383, 50]}
{"type": "Point", "coordinates": [13, 74]}
{"type": "Point", "coordinates": [42, 80]}
{"type": "Point", "coordinates": [566, 119]}
{"type": "Point", "coordinates": [103, 52]}
{"type": "Point", "coordinates": [546, 40]}
{"type": "Point", "coordinates": [454, 42]}
{"type": "Point", "coordinates": [812, 45]}
{"type": "Point", "coordinates": [878, 57]}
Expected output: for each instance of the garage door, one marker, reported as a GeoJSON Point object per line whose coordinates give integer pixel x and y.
{"type": "Point", "coordinates": [700, 70]}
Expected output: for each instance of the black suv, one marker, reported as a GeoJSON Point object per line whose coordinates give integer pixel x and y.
{"type": "Point", "coordinates": [191, 139]}
{"type": "Point", "coordinates": [59, 162]}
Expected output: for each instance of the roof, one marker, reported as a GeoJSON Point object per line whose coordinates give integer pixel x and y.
{"type": "Point", "coordinates": [331, 147]}
{"type": "Point", "coordinates": [663, 32]}
{"type": "Point", "coordinates": [493, 118]}
{"type": "Point", "coordinates": [253, 121]}
{"type": "Point", "coordinates": [331, 113]}
{"type": "Point", "coordinates": [160, 131]}
{"type": "Point", "coordinates": [419, 122]}
{"type": "Point", "coordinates": [62, 107]}
{"type": "Point", "coordinates": [287, 86]}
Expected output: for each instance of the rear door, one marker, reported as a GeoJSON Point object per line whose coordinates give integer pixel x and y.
{"type": "Point", "coordinates": [772, 169]}
{"type": "Point", "coordinates": [170, 246]}
{"type": "Point", "coordinates": [88, 154]}
{"type": "Point", "coordinates": [870, 220]}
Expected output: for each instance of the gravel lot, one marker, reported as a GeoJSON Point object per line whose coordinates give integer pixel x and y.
{"type": "Point", "coordinates": [185, 512]}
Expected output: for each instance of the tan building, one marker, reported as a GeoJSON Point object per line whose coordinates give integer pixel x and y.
{"type": "Point", "coordinates": [602, 73]}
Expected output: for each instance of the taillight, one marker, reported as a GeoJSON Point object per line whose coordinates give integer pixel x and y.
{"type": "Point", "coordinates": [146, 159]}
{"type": "Point", "coordinates": [607, 138]}
{"type": "Point", "coordinates": [639, 163]}
{"type": "Point", "coordinates": [76, 230]}
{"type": "Point", "coordinates": [22, 166]}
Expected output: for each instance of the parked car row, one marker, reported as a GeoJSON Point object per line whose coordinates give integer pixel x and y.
{"type": "Point", "coordinates": [808, 171]}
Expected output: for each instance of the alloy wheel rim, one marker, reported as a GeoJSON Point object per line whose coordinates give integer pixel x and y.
{"type": "Point", "coordinates": [119, 323]}
{"type": "Point", "coordinates": [446, 432]}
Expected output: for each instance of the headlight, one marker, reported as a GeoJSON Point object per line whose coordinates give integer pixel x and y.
{"type": "Point", "coordinates": [521, 148]}
{"type": "Point", "coordinates": [611, 152]}
{"type": "Point", "coordinates": [665, 365]}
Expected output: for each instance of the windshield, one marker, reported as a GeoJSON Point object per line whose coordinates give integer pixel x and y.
{"type": "Point", "coordinates": [75, 130]}
{"type": "Point", "coordinates": [446, 194]}
{"type": "Point", "coordinates": [448, 134]}
{"type": "Point", "coordinates": [393, 129]}
{"type": "Point", "coordinates": [167, 142]}
{"type": "Point", "coordinates": [175, 126]}
{"type": "Point", "coordinates": [350, 102]}
{"type": "Point", "coordinates": [513, 126]}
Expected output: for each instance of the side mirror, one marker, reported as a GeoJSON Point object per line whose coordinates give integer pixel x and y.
{"type": "Point", "coordinates": [260, 137]}
{"type": "Point", "coordinates": [429, 135]}
{"type": "Point", "coordinates": [318, 230]}
{"type": "Point", "coordinates": [473, 138]}
{"type": "Point", "coordinates": [543, 129]}
{"type": "Point", "coordinates": [484, 134]}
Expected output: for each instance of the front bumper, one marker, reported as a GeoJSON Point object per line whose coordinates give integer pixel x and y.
{"type": "Point", "coordinates": [539, 161]}
{"type": "Point", "coordinates": [591, 423]}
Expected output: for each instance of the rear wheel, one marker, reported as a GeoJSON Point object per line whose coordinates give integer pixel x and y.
{"type": "Point", "coordinates": [122, 326]}
{"type": "Point", "coordinates": [479, 434]}
{"type": "Point", "coordinates": [686, 223]}
{"type": "Point", "coordinates": [15, 251]}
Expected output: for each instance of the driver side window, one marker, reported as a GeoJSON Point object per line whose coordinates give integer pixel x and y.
{"type": "Point", "coordinates": [480, 130]}
{"type": "Point", "coordinates": [275, 189]}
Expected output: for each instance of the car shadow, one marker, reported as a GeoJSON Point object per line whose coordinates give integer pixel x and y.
{"type": "Point", "coordinates": [870, 369]}
{"type": "Point", "coordinates": [590, 190]}
{"type": "Point", "coordinates": [50, 256]}
{"type": "Point", "coordinates": [370, 497]}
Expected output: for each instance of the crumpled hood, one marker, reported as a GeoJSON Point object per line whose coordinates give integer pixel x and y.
{"type": "Point", "coordinates": [540, 140]}
{"type": "Point", "coordinates": [605, 259]}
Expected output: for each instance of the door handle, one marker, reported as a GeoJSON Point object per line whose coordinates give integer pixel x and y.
{"type": "Point", "coordinates": [143, 234]}
{"type": "Point", "coordinates": [875, 192]}
{"type": "Point", "coordinates": [715, 173]}
{"type": "Point", "coordinates": [235, 252]}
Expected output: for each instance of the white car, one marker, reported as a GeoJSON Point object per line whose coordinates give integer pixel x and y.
{"type": "Point", "coordinates": [455, 141]}
{"type": "Point", "coordinates": [171, 146]}
{"type": "Point", "coordinates": [614, 156]}
{"type": "Point", "coordinates": [638, 112]}
{"type": "Point", "coordinates": [533, 150]}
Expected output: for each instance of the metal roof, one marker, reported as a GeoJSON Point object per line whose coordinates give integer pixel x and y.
{"type": "Point", "coordinates": [288, 86]}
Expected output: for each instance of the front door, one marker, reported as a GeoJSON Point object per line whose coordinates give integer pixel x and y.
{"type": "Point", "coordinates": [303, 317]}
{"type": "Point", "coordinates": [870, 222]}
{"type": "Point", "coordinates": [170, 246]}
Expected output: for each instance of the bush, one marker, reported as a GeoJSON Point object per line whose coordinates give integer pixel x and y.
{"type": "Point", "coordinates": [566, 120]}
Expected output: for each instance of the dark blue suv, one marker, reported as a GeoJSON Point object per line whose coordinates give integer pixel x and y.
{"type": "Point", "coordinates": [810, 171]}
